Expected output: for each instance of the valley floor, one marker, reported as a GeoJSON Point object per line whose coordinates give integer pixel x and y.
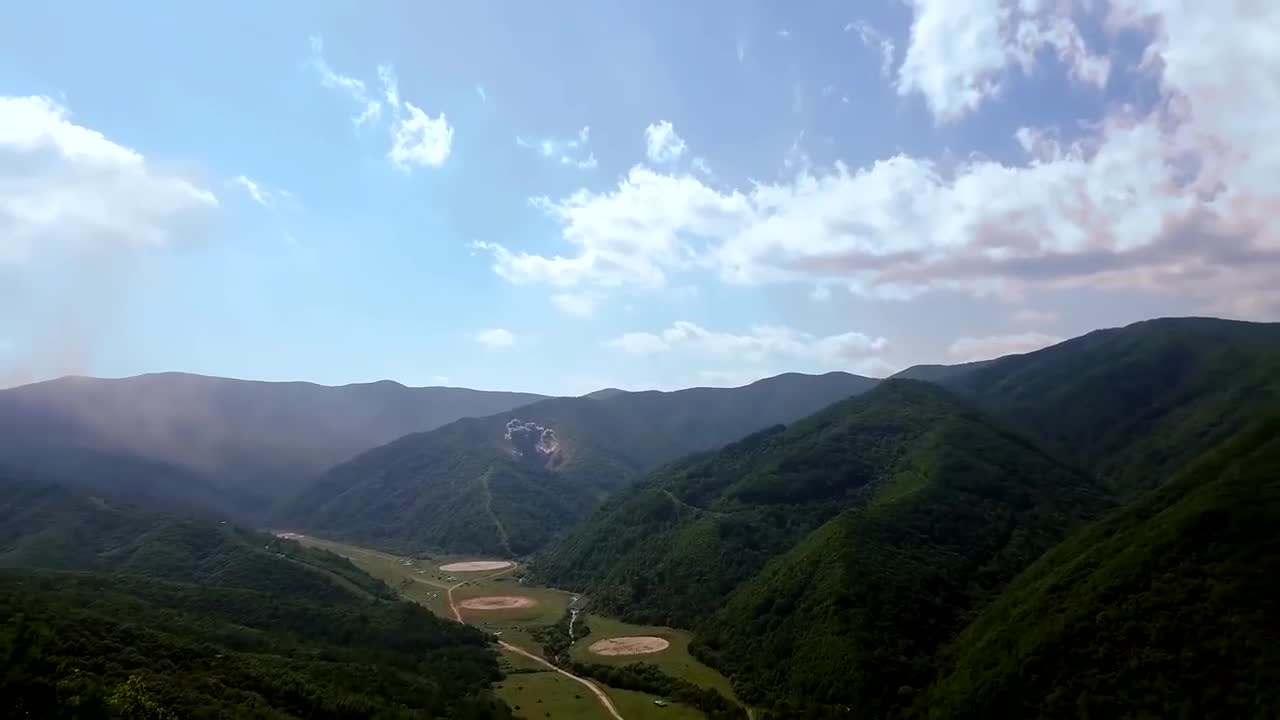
{"type": "Point", "coordinates": [498, 602]}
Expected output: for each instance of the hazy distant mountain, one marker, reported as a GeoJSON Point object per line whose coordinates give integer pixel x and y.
{"type": "Point", "coordinates": [247, 442]}
{"type": "Point", "coordinates": [510, 482]}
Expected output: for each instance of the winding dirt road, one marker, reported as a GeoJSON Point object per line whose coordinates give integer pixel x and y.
{"type": "Point", "coordinates": [595, 689]}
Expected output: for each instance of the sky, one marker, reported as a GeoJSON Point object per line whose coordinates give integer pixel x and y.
{"type": "Point", "coordinates": [562, 196]}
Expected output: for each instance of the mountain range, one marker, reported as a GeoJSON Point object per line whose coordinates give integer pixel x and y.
{"type": "Point", "coordinates": [510, 483]}
{"type": "Point", "coordinates": [1085, 530]}
{"type": "Point", "coordinates": [999, 542]}
{"type": "Point", "coordinates": [233, 446]}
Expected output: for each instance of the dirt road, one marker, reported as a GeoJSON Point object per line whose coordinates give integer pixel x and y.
{"type": "Point", "coordinates": [595, 689]}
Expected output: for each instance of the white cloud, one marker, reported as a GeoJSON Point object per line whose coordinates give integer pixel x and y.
{"type": "Point", "coordinates": [662, 144]}
{"type": "Point", "coordinates": [961, 50]}
{"type": "Point", "coordinates": [784, 33]}
{"type": "Point", "coordinates": [63, 185]}
{"type": "Point", "coordinates": [699, 163]}
{"type": "Point", "coordinates": [580, 304]}
{"type": "Point", "coordinates": [419, 139]}
{"type": "Point", "coordinates": [416, 137]}
{"type": "Point", "coordinates": [484, 96]}
{"type": "Point", "coordinates": [495, 338]}
{"type": "Point", "coordinates": [354, 88]}
{"type": "Point", "coordinates": [764, 342]}
{"type": "Point", "coordinates": [969, 349]}
{"type": "Point", "coordinates": [875, 40]}
{"type": "Point", "coordinates": [566, 151]}
{"type": "Point", "coordinates": [260, 195]}
{"type": "Point", "coordinates": [1177, 200]}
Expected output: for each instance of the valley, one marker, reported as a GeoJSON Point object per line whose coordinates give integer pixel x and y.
{"type": "Point", "coordinates": [457, 588]}
{"type": "Point", "coordinates": [1083, 530]}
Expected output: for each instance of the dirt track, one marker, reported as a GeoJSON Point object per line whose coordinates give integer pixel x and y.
{"type": "Point", "coordinates": [595, 689]}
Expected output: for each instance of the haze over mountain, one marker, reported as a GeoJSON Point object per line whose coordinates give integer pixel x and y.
{"type": "Point", "coordinates": [233, 445]}
{"type": "Point", "coordinates": [510, 482]}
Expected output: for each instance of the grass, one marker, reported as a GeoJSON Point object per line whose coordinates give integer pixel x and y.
{"type": "Point", "coordinates": [675, 660]}
{"type": "Point", "coordinates": [528, 685]}
{"type": "Point", "coordinates": [549, 694]}
{"type": "Point", "coordinates": [639, 706]}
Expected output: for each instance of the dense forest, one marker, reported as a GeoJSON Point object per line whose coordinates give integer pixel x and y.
{"type": "Point", "coordinates": [470, 487]}
{"type": "Point", "coordinates": [196, 619]}
{"type": "Point", "coordinates": [908, 553]}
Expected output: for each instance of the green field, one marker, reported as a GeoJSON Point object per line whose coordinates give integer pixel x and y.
{"type": "Point", "coordinates": [675, 660]}
{"type": "Point", "coordinates": [536, 691]}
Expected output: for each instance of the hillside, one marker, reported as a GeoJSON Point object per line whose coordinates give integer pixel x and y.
{"type": "Point", "coordinates": [829, 560]}
{"type": "Point", "coordinates": [1136, 404]}
{"type": "Point", "coordinates": [212, 621]}
{"type": "Point", "coordinates": [228, 445]}
{"type": "Point", "coordinates": [509, 483]}
{"type": "Point", "coordinates": [1169, 608]}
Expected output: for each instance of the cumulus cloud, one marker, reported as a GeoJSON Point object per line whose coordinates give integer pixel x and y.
{"type": "Point", "coordinates": [662, 144]}
{"type": "Point", "coordinates": [961, 51]}
{"type": "Point", "coordinates": [419, 139]}
{"type": "Point", "coordinates": [495, 338]}
{"type": "Point", "coordinates": [969, 349]}
{"type": "Point", "coordinates": [75, 198]}
{"type": "Point", "coordinates": [761, 343]}
{"type": "Point", "coordinates": [63, 185]}
{"type": "Point", "coordinates": [1179, 198]}
{"type": "Point", "coordinates": [571, 151]}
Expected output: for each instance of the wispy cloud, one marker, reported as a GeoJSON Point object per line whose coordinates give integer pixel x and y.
{"type": "Point", "coordinates": [259, 194]}
{"type": "Point", "coordinates": [875, 40]}
{"type": "Point", "coordinates": [416, 138]}
{"type": "Point", "coordinates": [353, 87]}
{"type": "Point", "coordinates": [495, 338]}
{"type": "Point", "coordinates": [484, 96]}
{"type": "Point", "coordinates": [565, 151]}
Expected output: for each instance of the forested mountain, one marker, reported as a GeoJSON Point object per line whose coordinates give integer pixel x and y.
{"type": "Point", "coordinates": [232, 446]}
{"type": "Point", "coordinates": [1169, 608]}
{"type": "Point", "coordinates": [105, 604]}
{"type": "Point", "coordinates": [1134, 404]}
{"type": "Point", "coordinates": [829, 560]}
{"type": "Point", "coordinates": [510, 482]}
{"type": "Point", "coordinates": [839, 564]}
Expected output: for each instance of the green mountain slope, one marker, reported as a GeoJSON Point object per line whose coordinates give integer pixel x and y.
{"type": "Point", "coordinates": [509, 483]}
{"type": "Point", "coordinates": [214, 620]}
{"type": "Point", "coordinates": [1135, 404]}
{"type": "Point", "coordinates": [1169, 608]}
{"type": "Point", "coordinates": [829, 560]}
{"type": "Point", "coordinates": [229, 445]}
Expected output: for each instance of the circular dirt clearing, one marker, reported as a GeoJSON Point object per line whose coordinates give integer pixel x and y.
{"type": "Point", "coordinates": [498, 602]}
{"type": "Point", "coordinates": [638, 645]}
{"type": "Point", "coordinates": [477, 566]}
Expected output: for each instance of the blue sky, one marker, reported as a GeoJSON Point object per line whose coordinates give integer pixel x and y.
{"type": "Point", "coordinates": [562, 196]}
